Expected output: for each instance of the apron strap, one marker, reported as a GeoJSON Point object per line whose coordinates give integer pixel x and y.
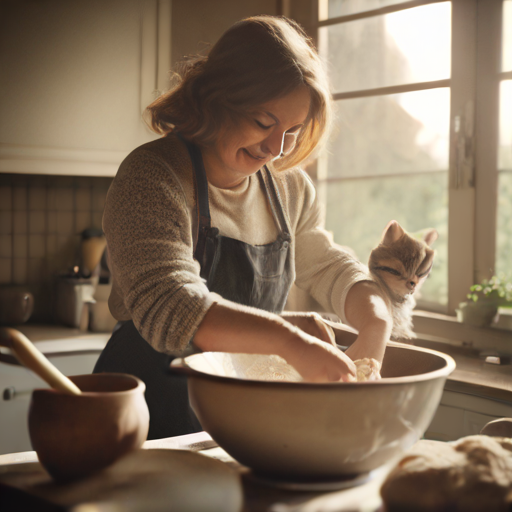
{"type": "Point", "coordinates": [275, 202]}
{"type": "Point", "coordinates": [202, 202]}
{"type": "Point", "coordinates": [203, 206]}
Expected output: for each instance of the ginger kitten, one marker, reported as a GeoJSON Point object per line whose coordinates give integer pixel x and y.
{"type": "Point", "coordinates": [400, 264]}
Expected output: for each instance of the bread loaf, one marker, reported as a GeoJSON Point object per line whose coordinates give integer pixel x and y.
{"type": "Point", "coordinates": [472, 474]}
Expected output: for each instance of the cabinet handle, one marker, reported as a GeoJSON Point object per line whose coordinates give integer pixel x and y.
{"type": "Point", "coordinates": [10, 393]}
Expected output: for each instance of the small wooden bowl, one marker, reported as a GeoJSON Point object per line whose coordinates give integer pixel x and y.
{"type": "Point", "coordinates": [76, 435]}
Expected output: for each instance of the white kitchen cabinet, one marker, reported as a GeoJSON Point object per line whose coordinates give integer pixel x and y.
{"type": "Point", "coordinates": [18, 381]}
{"type": "Point", "coordinates": [463, 414]}
{"type": "Point", "coordinates": [76, 77]}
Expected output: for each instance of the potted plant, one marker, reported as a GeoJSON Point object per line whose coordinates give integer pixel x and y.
{"type": "Point", "coordinates": [484, 300]}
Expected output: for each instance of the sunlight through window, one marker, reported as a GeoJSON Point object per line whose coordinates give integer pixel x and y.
{"type": "Point", "coordinates": [507, 36]}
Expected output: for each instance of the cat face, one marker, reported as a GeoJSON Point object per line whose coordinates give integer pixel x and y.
{"type": "Point", "coordinates": [402, 261]}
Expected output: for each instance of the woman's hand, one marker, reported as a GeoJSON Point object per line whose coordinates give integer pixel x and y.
{"type": "Point", "coordinates": [311, 323]}
{"type": "Point", "coordinates": [318, 361]}
{"type": "Point", "coordinates": [334, 333]}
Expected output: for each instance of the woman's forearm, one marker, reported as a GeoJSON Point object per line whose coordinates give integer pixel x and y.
{"type": "Point", "coordinates": [229, 327]}
{"type": "Point", "coordinates": [367, 311]}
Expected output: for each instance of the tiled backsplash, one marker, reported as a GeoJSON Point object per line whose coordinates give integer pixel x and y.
{"type": "Point", "coordinates": [41, 218]}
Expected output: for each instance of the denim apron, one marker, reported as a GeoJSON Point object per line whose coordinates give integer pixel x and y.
{"type": "Point", "coordinates": [254, 275]}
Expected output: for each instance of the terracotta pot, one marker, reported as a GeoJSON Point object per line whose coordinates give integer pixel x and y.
{"type": "Point", "coordinates": [305, 431]}
{"type": "Point", "coordinates": [76, 435]}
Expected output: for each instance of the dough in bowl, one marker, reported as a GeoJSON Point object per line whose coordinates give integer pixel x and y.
{"type": "Point", "coordinates": [272, 367]}
{"type": "Point", "coordinates": [471, 474]}
{"type": "Point", "coordinates": [367, 369]}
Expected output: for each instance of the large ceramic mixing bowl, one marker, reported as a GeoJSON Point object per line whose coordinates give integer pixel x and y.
{"type": "Point", "coordinates": [298, 430]}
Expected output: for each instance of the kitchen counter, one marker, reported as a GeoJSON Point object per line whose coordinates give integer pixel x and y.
{"type": "Point", "coordinates": [57, 340]}
{"type": "Point", "coordinates": [471, 369]}
{"type": "Point", "coordinates": [473, 372]}
{"type": "Point", "coordinates": [259, 497]}
{"type": "Point", "coordinates": [472, 378]}
{"type": "Point", "coordinates": [477, 392]}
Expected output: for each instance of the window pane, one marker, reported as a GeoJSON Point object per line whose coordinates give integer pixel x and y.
{"type": "Point", "coordinates": [399, 48]}
{"type": "Point", "coordinates": [399, 133]}
{"type": "Point", "coordinates": [345, 7]}
{"type": "Point", "coordinates": [507, 35]}
{"type": "Point", "coordinates": [358, 211]}
{"type": "Point", "coordinates": [505, 148]}
{"type": "Point", "coordinates": [504, 234]}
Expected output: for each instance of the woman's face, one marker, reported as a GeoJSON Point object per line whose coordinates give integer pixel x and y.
{"type": "Point", "coordinates": [271, 130]}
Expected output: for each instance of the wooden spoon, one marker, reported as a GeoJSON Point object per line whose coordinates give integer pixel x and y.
{"type": "Point", "coordinates": [30, 357]}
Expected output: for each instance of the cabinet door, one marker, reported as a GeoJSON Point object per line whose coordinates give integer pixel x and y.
{"type": "Point", "coordinates": [474, 422]}
{"type": "Point", "coordinates": [76, 77]}
{"type": "Point", "coordinates": [447, 425]}
{"type": "Point", "coordinates": [461, 414]}
{"type": "Point", "coordinates": [14, 436]}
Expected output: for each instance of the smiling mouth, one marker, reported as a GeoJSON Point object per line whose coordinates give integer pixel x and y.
{"type": "Point", "coordinates": [259, 158]}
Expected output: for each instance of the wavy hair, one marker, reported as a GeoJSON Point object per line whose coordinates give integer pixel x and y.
{"type": "Point", "coordinates": [258, 59]}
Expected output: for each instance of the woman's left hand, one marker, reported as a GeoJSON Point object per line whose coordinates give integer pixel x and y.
{"type": "Point", "coordinates": [312, 324]}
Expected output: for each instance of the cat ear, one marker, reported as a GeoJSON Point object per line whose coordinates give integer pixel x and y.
{"type": "Point", "coordinates": [430, 236]}
{"type": "Point", "coordinates": [392, 232]}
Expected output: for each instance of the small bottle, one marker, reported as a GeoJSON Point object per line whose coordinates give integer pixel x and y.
{"type": "Point", "coordinates": [93, 245]}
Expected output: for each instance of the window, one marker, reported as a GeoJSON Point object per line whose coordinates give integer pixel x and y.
{"type": "Point", "coordinates": [423, 132]}
{"type": "Point", "coordinates": [504, 225]}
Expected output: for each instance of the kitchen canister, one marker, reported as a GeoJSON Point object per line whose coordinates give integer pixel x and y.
{"type": "Point", "coordinates": [16, 305]}
{"type": "Point", "coordinates": [73, 296]}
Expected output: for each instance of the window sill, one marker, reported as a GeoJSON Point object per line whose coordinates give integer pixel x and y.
{"type": "Point", "coordinates": [474, 374]}
{"type": "Point", "coordinates": [438, 328]}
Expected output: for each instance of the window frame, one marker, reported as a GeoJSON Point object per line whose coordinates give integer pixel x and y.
{"type": "Point", "coordinates": [474, 130]}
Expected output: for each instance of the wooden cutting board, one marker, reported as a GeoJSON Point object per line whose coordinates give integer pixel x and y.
{"type": "Point", "coordinates": [149, 483]}
{"type": "Point", "coordinates": [143, 481]}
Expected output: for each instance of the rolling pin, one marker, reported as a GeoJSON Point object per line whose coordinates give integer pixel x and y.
{"type": "Point", "coordinates": [30, 357]}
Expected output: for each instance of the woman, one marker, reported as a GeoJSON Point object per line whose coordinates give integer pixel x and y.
{"type": "Point", "coordinates": [209, 226]}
